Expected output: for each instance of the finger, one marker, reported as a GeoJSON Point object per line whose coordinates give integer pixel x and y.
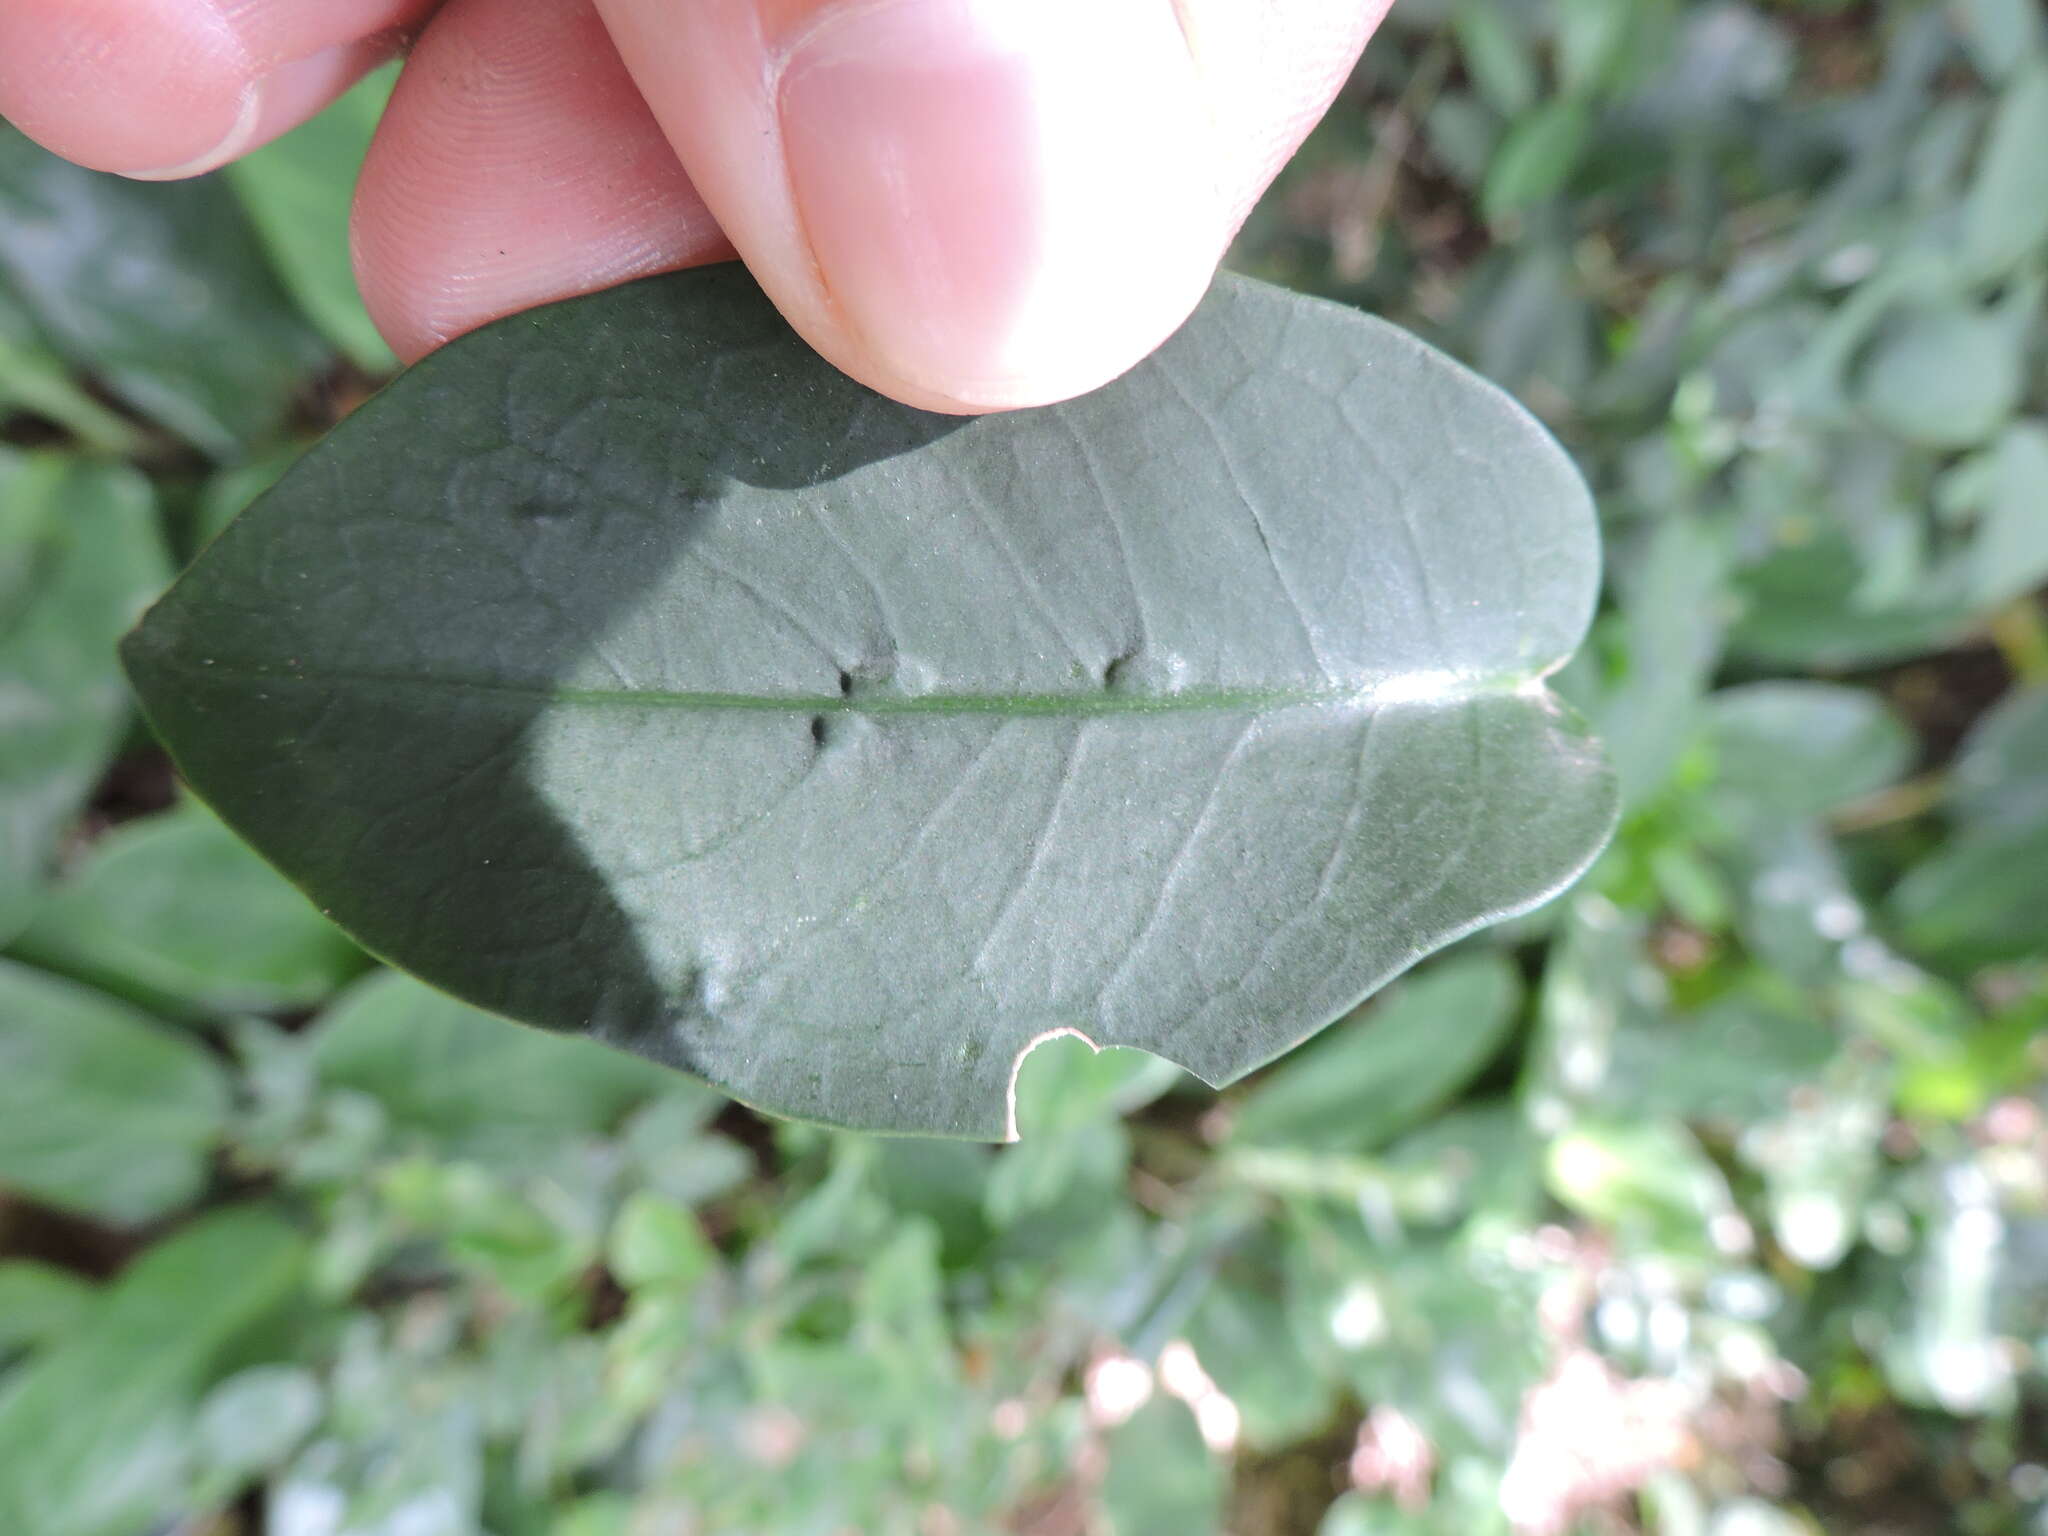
{"type": "Point", "coordinates": [974, 204]}
{"type": "Point", "coordinates": [160, 89]}
{"type": "Point", "coordinates": [515, 164]}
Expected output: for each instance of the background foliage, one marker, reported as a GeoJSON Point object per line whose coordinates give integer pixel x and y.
{"type": "Point", "coordinates": [1713, 1199]}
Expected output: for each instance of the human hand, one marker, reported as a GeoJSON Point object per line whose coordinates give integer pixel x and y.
{"type": "Point", "coordinates": [966, 204]}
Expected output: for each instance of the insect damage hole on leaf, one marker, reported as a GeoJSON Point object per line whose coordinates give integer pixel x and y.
{"type": "Point", "coordinates": [1185, 714]}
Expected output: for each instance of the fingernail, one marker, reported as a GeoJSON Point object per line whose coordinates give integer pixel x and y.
{"type": "Point", "coordinates": [240, 132]}
{"type": "Point", "coordinates": [1009, 201]}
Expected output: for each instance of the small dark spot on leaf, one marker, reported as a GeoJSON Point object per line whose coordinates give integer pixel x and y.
{"type": "Point", "coordinates": [818, 730]}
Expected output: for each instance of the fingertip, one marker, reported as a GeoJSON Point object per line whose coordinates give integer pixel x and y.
{"type": "Point", "coordinates": [515, 165]}
{"type": "Point", "coordinates": [138, 87]}
{"type": "Point", "coordinates": [1005, 206]}
{"type": "Point", "coordinates": [970, 205]}
{"type": "Point", "coordinates": [158, 90]}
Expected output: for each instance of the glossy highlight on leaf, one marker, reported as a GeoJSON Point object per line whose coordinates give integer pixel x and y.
{"type": "Point", "coordinates": [624, 669]}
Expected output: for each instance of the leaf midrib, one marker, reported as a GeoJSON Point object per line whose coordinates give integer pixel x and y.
{"type": "Point", "coordinates": [1399, 689]}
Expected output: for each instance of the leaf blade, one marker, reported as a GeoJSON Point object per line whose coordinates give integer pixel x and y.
{"type": "Point", "coordinates": [774, 701]}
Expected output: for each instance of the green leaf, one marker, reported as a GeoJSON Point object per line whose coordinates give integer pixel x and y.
{"type": "Point", "coordinates": [157, 288]}
{"type": "Point", "coordinates": [1444, 1332]}
{"type": "Point", "coordinates": [657, 1243]}
{"type": "Point", "coordinates": [1600, 43]}
{"type": "Point", "coordinates": [1241, 1335]}
{"type": "Point", "coordinates": [2009, 555]}
{"type": "Point", "coordinates": [38, 1304]}
{"type": "Point", "coordinates": [1801, 608]}
{"type": "Point", "coordinates": [442, 1066]}
{"type": "Point", "coordinates": [2005, 215]}
{"type": "Point", "coordinates": [623, 668]}
{"type": "Point", "coordinates": [1376, 1075]}
{"type": "Point", "coordinates": [1999, 780]}
{"type": "Point", "coordinates": [255, 1419]}
{"type": "Point", "coordinates": [174, 912]}
{"type": "Point", "coordinates": [1820, 1158]}
{"type": "Point", "coordinates": [1541, 153]}
{"type": "Point", "coordinates": [1738, 1060]}
{"type": "Point", "coordinates": [1161, 1479]}
{"type": "Point", "coordinates": [1672, 621]}
{"type": "Point", "coordinates": [298, 190]}
{"type": "Point", "coordinates": [1354, 1514]}
{"type": "Point", "coordinates": [1647, 1179]}
{"type": "Point", "coordinates": [1597, 983]}
{"type": "Point", "coordinates": [1942, 375]}
{"type": "Point", "coordinates": [1982, 898]}
{"type": "Point", "coordinates": [79, 557]}
{"type": "Point", "coordinates": [101, 1109]}
{"type": "Point", "coordinates": [91, 1432]}
{"type": "Point", "coordinates": [1800, 749]}
{"type": "Point", "coordinates": [2002, 35]}
{"type": "Point", "coordinates": [33, 379]}
{"type": "Point", "coordinates": [1497, 54]}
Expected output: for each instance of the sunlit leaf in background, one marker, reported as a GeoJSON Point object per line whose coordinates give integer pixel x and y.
{"type": "Point", "coordinates": [80, 554]}
{"type": "Point", "coordinates": [161, 291]}
{"type": "Point", "coordinates": [101, 1109]}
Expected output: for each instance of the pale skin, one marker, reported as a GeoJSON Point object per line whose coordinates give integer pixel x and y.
{"type": "Point", "coordinates": [970, 205]}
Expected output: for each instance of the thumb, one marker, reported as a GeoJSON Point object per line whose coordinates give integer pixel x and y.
{"type": "Point", "coordinates": [979, 204]}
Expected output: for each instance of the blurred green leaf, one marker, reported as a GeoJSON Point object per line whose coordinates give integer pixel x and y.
{"type": "Point", "coordinates": [1602, 44]}
{"type": "Point", "coordinates": [2005, 215]}
{"type": "Point", "coordinates": [39, 1304]}
{"type": "Point", "coordinates": [1597, 982]}
{"type": "Point", "coordinates": [160, 290]}
{"type": "Point", "coordinates": [1542, 151]}
{"type": "Point", "coordinates": [1162, 1479]}
{"type": "Point", "coordinates": [79, 557]}
{"type": "Point", "coordinates": [1801, 608]}
{"type": "Point", "coordinates": [34, 380]}
{"type": "Point", "coordinates": [657, 1244]}
{"type": "Point", "coordinates": [1983, 896]}
{"type": "Point", "coordinates": [1982, 899]}
{"type": "Point", "coordinates": [1649, 1180]}
{"type": "Point", "coordinates": [1946, 376]}
{"type": "Point", "coordinates": [177, 913]}
{"type": "Point", "coordinates": [1738, 1060]}
{"type": "Point", "coordinates": [1801, 749]}
{"type": "Point", "coordinates": [298, 190]}
{"type": "Point", "coordinates": [101, 1109]}
{"type": "Point", "coordinates": [1999, 780]}
{"type": "Point", "coordinates": [1798, 911]}
{"type": "Point", "coordinates": [1354, 1514]}
{"type": "Point", "coordinates": [253, 1421]}
{"type": "Point", "coordinates": [2010, 552]}
{"type": "Point", "coordinates": [1950, 1354]}
{"type": "Point", "coordinates": [1388, 1066]}
{"type": "Point", "coordinates": [1673, 614]}
{"type": "Point", "coordinates": [1497, 53]}
{"type": "Point", "coordinates": [1820, 1158]}
{"type": "Point", "coordinates": [2003, 35]}
{"type": "Point", "coordinates": [1444, 1332]}
{"type": "Point", "coordinates": [440, 1066]}
{"type": "Point", "coordinates": [93, 1438]}
{"type": "Point", "coordinates": [1241, 1334]}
